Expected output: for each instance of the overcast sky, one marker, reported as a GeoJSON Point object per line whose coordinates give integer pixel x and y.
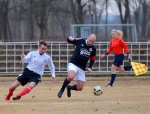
{"type": "Point", "coordinates": [112, 8]}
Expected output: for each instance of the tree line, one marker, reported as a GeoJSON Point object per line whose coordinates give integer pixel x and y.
{"type": "Point", "coordinates": [30, 20]}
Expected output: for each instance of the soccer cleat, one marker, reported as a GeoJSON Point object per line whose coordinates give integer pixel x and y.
{"type": "Point", "coordinates": [16, 97]}
{"type": "Point", "coordinates": [60, 93]}
{"type": "Point", "coordinates": [8, 96]}
{"type": "Point", "coordinates": [68, 91]}
{"type": "Point", "coordinates": [108, 85]}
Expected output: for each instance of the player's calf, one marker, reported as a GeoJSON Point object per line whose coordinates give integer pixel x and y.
{"type": "Point", "coordinates": [8, 96]}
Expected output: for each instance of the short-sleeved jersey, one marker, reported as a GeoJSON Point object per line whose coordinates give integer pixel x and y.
{"type": "Point", "coordinates": [117, 46]}
{"type": "Point", "coordinates": [82, 52]}
{"type": "Point", "coordinates": [37, 62]}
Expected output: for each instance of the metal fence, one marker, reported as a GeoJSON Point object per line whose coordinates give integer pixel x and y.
{"type": "Point", "coordinates": [61, 53]}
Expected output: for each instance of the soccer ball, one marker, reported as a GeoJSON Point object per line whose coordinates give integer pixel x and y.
{"type": "Point", "coordinates": [97, 90]}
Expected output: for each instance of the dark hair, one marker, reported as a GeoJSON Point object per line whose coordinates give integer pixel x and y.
{"type": "Point", "coordinates": [42, 43]}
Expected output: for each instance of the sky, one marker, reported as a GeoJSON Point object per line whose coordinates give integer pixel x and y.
{"type": "Point", "coordinates": [112, 8]}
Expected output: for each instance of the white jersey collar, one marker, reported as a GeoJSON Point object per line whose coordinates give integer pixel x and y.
{"type": "Point", "coordinates": [38, 52]}
{"type": "Point", "coordinates": [86, 42]}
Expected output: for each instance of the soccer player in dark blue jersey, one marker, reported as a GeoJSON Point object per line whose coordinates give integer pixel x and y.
{"type": "Point", "coordinates": [84, 51]}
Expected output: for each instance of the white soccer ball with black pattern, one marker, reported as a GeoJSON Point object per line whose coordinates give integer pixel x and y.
{"type": "Point", "coordinates": [97, 90]}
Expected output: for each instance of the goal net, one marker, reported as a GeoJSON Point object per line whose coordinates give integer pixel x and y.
{"type": "Point", "coordinates": [103, 31]}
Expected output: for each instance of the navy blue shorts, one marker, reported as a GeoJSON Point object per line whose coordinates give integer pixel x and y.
{"type": "Point", "coordinates": [118, 60]}
{"type": "Point", "coordinates": [28, 76]}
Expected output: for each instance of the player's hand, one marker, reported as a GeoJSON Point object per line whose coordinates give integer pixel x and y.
{"type": "Point", "coordinates": [54, 78]}
{"type": "Point", "coordinates": [71, 38]}
{"type": "Point", "coordinates": [103, 56]}
{"type": "Point", "coordinates": [22, 56]}
{"type": "Point", "coordinates": [89, 70]}
{"type": "Point", "coordinates": [128, 56]}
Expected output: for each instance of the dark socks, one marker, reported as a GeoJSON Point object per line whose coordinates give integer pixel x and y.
{"type": "Point", "coordinates": [66, 82]}
{"type": "Point", "coordinates": [127, 68]}
{"type": "Point", "coordinates": [113, 76]}
{"type": "Point", "coordinates": [73, 87]}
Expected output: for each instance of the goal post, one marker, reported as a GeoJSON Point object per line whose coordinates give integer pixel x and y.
{"type": "Point", "coordinates": [103, 31]}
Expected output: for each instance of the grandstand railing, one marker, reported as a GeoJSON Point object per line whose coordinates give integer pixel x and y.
{"type": "Point", "coordinates": [61, 53]}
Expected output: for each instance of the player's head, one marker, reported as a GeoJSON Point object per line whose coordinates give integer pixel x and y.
{"type": "Point", "coordinates": [120, 33]}
{"type": "Point", "coordinates": [114, 33]}
{"type": "Point", "coordinates": [42, 47]}
{"type": "Point", "coordinates": [91, 39]}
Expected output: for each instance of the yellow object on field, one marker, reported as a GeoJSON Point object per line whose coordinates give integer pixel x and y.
{"type": "Point", "coordinates": [138, 68]}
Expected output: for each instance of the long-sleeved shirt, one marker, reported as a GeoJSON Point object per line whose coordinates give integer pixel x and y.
{"type": "Point", "coordinates": [37, 62]}
{"type": "Point", "coordinates": [82, 53]}
{"type": "Point", "coordinates": [117, 46]}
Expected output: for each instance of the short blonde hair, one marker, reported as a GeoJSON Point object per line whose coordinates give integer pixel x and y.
{"type": "Point", "coordinates": [119, 33]}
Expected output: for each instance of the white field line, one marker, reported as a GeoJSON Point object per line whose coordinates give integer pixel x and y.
{"type": "Point", "coordinates": [39, 103]}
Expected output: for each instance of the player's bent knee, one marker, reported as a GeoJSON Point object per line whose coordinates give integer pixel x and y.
{"type": "Point", "coordinates": [113, 71]}
{"type": "Point", "coordinates": [69, 78]}
{"type": "Point", "coordinates": [121, 70]}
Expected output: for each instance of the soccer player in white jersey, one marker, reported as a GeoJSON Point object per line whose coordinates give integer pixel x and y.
{"type": "Point", "coordinates": [37, 60]}
{"type": "Point", "coordinates": [84, 51]}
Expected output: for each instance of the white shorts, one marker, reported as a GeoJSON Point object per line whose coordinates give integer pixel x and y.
{"type": "Point", "coordinates": [80, 74]}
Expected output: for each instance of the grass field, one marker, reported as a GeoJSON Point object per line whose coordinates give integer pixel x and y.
{"type": "Point", "coordinates": [130, 95]}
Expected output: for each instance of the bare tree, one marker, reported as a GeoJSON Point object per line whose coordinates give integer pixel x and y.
{"type": "Point", "coordinates": [83, 10]}
{"type": "Point", "coordinates": [41, 19]}
{"type": "Point", "coordinates": [136, 11]}
{"type": "Point", "coordinates": [141, 13]}
{"type": "Point", "coordinates": [106, 2]}
{"type": "Point", "coordinates": [145, 17]}
{"type": "Point", "coordinates": [96, 9]}
{"type": "Point", "coordinates": [42, 10]}
{"type": "Point", "coordinates": [35, 12]}
{"type": "Point", "coordinates": [78, 10]}
{"type": "Point", "coordinates": [123, 5]}
{"type": "Point", "coordinates": [124, 10]}
{"type": "Point", "coordinates": [4, 25]}
{"type": "Point", "coordinates": [63, 15]}
{"type": "Point", "coordinates": [31, 20]}
{"type": "Point", "coordinates": [148, 22]}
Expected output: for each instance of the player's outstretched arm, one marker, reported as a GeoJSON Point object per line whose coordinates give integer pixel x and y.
{"type": "Point", "coordinates": [26, 59]}
{"type": "Point", "coordinates": [52, 68]}
{"type": "Point", "coordinates": [22, 56]}
{"type": "Point", "coordinates": [103, 56]}
{"type": "Point", "coordinates": [128, 56]}
{"type": "Point", "coordinates": [70, 39]}
{"type": "Point", "coordinates": [92, 61]}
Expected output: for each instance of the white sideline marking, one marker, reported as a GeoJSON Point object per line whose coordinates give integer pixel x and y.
{"type": "Point", "coordinates": [39, 103]}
